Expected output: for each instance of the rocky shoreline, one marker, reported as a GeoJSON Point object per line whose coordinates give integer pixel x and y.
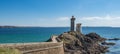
{"type": "Point", "coordinates": [78, 43]}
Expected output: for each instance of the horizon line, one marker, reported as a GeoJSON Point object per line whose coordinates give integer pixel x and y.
{"type": "Point", "coordinates": [52, 26]}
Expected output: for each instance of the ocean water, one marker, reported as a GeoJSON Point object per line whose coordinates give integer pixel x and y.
{"type": "Point", "coordinates": [30, 34]}
{"type": "Point", "coordinates": [41, 34]}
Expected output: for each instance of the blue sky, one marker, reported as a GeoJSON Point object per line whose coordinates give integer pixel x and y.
{"type": "Point", "coordinates": [57, 13]}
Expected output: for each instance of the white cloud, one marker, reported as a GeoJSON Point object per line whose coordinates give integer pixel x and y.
{"type": "Point", "coordinates": [100, 21]}
{"type": "Point", "coordinates": [54, 22]}
{"type": "Point", "coordinates": [63, 19]}
{"type": "Point", "coordinates": [86, 21]}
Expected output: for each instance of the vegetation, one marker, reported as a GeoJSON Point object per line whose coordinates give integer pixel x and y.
{"type": "Point", "coordinates": [9, 51]}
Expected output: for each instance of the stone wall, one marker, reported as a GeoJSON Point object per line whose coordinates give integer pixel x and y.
{"type": "Point", "coordinates": [37, 48]}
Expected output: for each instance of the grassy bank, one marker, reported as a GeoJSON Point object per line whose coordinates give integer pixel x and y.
{"type": "Point", "coordinates": [9, 51]}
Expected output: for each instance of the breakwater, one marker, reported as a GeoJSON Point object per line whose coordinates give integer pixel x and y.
{"type": "Point", "coordinates": [53, 47]}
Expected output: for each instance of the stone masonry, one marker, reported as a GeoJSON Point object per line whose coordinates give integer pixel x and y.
{"type": "Point", "coordinates": [72, 23]}
{"type": "Point", "coordinates": [78, 27]}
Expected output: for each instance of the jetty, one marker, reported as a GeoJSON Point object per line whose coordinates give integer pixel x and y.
{"type": "Point", "coordinates": [53, 47]}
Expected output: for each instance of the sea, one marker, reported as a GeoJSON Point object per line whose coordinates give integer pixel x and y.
{"type": "Point", "coordinates": [42, 34]}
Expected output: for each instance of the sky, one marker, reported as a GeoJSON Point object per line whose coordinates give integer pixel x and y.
{"type": "Point", "coordinates": [57, 13]}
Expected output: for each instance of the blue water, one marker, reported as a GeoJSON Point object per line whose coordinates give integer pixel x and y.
{"type": "Point", "coordinates": [31, 34]}
{"type": "Point", "coordinates": [41, 34]}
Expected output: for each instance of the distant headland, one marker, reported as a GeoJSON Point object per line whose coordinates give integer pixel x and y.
{"type": "Point", "coordinates": [16, 26]}
{"type": "Point", "coordinates": [8, 26]}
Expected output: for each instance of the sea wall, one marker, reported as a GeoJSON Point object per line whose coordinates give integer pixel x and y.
{"type": "Point", "coordinates": [37, 48]}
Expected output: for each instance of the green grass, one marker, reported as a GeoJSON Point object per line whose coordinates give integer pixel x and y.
{"type": "Point", "coordinates": [9, 51]}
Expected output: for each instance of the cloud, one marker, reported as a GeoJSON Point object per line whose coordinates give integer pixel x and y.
{"type": "Point", "coordinates": [86, 21]}
{"type": "Point", "coordinates": [100, 21]}
{"type": "Point", "coordinates": [54, 22]}
{"type": "Point", "coordinates": [63, 19]}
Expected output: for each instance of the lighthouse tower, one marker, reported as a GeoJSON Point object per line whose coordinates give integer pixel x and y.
{"type": "Point", "coordinates": [78, 27]}
{"type": "Point", "coordinates": [72, 23]}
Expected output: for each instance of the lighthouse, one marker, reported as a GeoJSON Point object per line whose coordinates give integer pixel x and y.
{"type": "Point", "coordinates": [72, 23]}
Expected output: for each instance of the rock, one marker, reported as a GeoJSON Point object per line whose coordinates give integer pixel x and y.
{"type": "Point", "coordinates": [49, 40]}
{"type": "Point", "coordinates": [77, 43]}
{"type": "Point", "coordinates": [114, 39]}
{"type": "Point", "coordinates": [105, 43]}
{"type": "Point", "coordinates": [95, 37]}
